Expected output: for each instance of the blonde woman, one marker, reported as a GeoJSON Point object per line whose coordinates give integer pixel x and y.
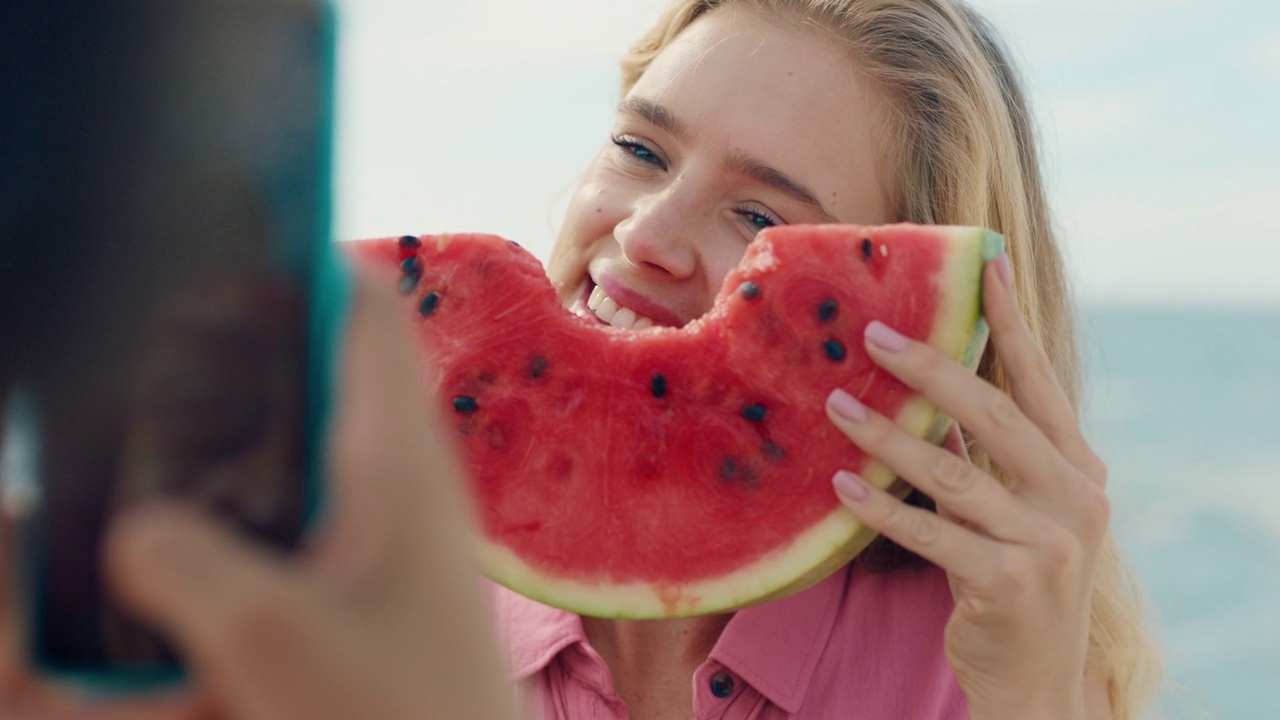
{"type": "Point", "coordinates": [995, 592]}
{"type": "Point", "coordinates": [866, 111]}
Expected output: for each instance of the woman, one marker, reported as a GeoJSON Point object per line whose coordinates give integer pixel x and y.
{"type": "Point", "coordinates": [740, 114]}
{"type": "Point", "coordinates": [737, 115]}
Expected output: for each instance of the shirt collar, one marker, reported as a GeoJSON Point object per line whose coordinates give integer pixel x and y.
{"type": "Point", "coordinates": [774, 647]}
{"type": "Point", "coordinates": [532, 634]}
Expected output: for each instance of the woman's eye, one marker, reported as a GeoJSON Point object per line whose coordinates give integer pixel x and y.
{"type": "Point", "coordinates": [638, 150]}
{"type": "Point", "coordinates": [758, 218]}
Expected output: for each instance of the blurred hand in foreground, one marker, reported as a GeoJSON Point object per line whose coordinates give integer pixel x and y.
{"type": "Point", "coordinates": [380, 616]}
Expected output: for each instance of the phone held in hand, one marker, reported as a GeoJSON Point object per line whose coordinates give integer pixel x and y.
{"type": "Point", "coordinates": [184, 302]}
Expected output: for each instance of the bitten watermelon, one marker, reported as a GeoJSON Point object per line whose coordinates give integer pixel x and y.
{"type": "Point", "coordinates": [677, 471]}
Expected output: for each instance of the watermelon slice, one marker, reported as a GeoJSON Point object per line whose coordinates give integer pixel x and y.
{"type": "Point", "coordinates": [668, 472]}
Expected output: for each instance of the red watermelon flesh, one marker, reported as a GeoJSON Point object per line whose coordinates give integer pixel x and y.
{"type": "Point", "coordinates": [676, 471]}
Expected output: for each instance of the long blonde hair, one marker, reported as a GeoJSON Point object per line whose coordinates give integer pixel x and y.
{"type": "Point", "coordinates": [964, 153]}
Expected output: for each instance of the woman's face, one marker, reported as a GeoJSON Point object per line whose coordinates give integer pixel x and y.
{"type": "Point", "coordinates": [737, 125]}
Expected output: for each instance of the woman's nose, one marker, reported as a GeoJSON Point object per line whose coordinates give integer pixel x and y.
{"type": "Point", "coordinates": [662, 231]}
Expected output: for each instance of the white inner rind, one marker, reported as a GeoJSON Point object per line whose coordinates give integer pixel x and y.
{"type": "Point", "coordinates": [827, 545]}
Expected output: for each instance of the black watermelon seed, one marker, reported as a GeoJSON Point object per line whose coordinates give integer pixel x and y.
{"type": "Point", "coordinates": [749, 290]}
{"type": "Point", "coordinates": [408, 283]}
{"type": "Point", "coordinates": [834, 350]}
{"type": "Point", "coordinates": [866, 248]}
{"type": "Point", "coordinates": [658, 385]}
{"type": "Point", "coordinates": [728, 469]}
{"type": "Point", "coordinates": [428, 305]}
{"type": "Point", "coordinates": [827, 310]}
{"type": "Point", "coordinates": [754, 413]}
{"type": "Point", "coordinates": [464, 404]}
{"type": "Point", "coordinates": [409, 241]}
{"type": "Point", "coordinates": [772, 450]}
{"type": "Point", "coordinates": [538, 366]}
{"type": "Point", "coordinates": [410, 266]}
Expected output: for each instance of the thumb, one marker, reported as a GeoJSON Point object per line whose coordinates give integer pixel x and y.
{"type": "Point", "coordinates": [256, 633]}
{"type": "Point", "coordinates": [196, 581]}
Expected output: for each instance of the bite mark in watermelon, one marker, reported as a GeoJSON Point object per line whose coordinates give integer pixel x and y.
{"type": "Point", "coordinates": [678, 471]}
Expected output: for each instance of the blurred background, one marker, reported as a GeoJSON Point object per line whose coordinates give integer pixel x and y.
{"type": "Point", "coordinates": [1158, 120]}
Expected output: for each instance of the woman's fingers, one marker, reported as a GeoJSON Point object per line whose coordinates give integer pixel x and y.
{"type": "Point", "coordinates": [257, 632]}
{"type": "Point", "coordinates": [960, 551]}
{"type": "Point", "coordinates": [993, 541]}
{"type": "Point", "coordinates": [1034, 384]}
{"type": "Point", "coordinates": [194, 578]}
{"type": "Point", "coordinates": [254, 630]}
{"type": "Point", "coordinates": [1062, 483]}
{"type": "Point", "coordinates": [1032, 435]}
{"type": "Point", "coordinates": [991, 416]}
{"type": "Point", "coordinates": [969, 495]}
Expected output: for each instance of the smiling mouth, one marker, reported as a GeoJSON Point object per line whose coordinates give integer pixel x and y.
{"type": "Point", "coordinates": [601, 307]}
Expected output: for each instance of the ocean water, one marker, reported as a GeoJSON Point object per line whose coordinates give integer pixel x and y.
{"type": "Point", "coordinates": [1184, 406]}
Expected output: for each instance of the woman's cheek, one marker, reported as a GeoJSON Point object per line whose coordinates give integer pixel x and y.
{"type": "Point", "coordinates": [594, 212]}
{"type": "Point", "coordinates": [583, 227]}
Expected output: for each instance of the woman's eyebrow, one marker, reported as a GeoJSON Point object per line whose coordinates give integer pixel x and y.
{"type": "Point", "coordinates": [739, 163]}
{"type": "Point", "coordinates": [653, 112]}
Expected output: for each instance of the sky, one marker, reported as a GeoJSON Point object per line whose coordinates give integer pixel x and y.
{"type": "Point", "coordinates": [1158, 121]}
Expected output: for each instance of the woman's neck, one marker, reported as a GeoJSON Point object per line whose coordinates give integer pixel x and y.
{"type": "Point", "coordinates": [652, 661]}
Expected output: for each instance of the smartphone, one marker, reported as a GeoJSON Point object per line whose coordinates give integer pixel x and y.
{"type": "Point", "coordinates": [179, 296]}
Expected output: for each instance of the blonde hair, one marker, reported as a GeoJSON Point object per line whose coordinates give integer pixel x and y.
{"type": "Point", "coordinates": [964, 153]}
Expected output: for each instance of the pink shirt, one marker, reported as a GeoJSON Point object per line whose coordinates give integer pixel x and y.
{"type": "Point", "coordinates": [856, 645]}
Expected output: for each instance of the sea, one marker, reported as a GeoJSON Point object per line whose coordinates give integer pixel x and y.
{"type": "Point", "coordinates": [1184, 405]}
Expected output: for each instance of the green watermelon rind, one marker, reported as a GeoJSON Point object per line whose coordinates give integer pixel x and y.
{"type": "Point", "coordinates": [832, 542]}
{"type": "Point", "coordinates": [992, 247]}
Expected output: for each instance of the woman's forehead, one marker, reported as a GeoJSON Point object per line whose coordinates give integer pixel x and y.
{"type": "Point", "coordinates": [736, 82]}
{"type": "Point", "coordinates": [784, 73]}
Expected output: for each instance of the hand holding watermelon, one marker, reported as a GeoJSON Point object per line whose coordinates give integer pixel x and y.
{"type": "Point", "coordinates": [1019, 555]}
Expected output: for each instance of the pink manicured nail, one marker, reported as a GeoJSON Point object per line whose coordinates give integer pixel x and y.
{"type": "Point", "coordinates": [850, 486]}
{"type": "Point", "coordinates": [1005, 270]}
{"type": "Point", "coordinates": [847, 406]}
{"type": "Point", "coordinates": [886, 337]}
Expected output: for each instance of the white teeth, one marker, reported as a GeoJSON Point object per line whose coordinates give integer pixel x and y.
{"type": "Point", "coordinates": [597, 297]}
{"type": "Point", "coordinates": [624, 318]}
{"type": "Point", "coordinates": [609, 311]}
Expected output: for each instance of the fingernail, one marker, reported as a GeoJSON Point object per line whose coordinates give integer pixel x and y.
{"type": "Point", "coordinates": [886, 338]}
{"type": "Point", "coordinates": [847, 406]}
{"type": "Point", "coordinates": [1005, 270]}
{"type": "Point", "coordinates": [850, 486]}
